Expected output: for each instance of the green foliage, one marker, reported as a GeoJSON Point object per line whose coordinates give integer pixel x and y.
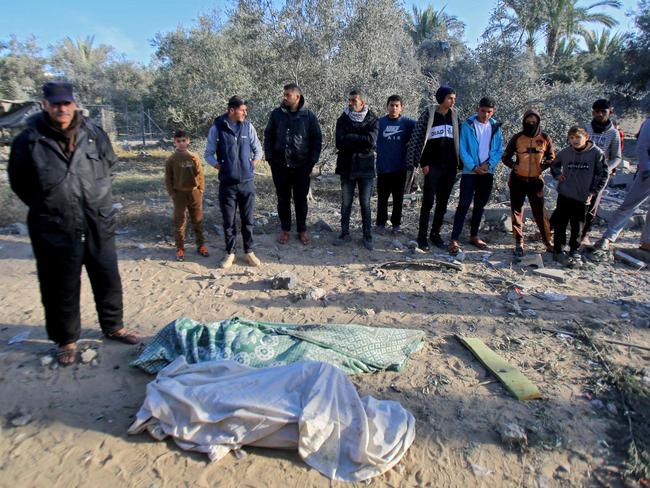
{"type": "Point", "coordinates": [21, 69]}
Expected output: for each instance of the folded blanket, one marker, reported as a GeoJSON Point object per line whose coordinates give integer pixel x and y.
{"type": "Point", "coordinates": [353, 348]}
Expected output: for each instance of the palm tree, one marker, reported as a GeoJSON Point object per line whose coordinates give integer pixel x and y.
{"type": "Point", "coordinates": [555, 19]}
{"type": "Point", "coordinates": [602, 43]}
{"type": "Point", "coordinates": [430, 23]}
{"type": "Point", "coordinates": [564, 18]}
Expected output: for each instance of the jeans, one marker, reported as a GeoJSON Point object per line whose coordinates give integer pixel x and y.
{"type": "Point", "coordinates": [347, 196]}
{"type": "Point", "coordinates": [438, 184]}
{"type": "Point", "coordinates": [240, 195]}
{"type": "Point", "coordinates": [638, 193]}
{"type": "Point", "coordinates": [390, 184]}
{"type": "Point", "coordinates": [472, 187]}
{"type": "Point", "coordinates": [290, 181]}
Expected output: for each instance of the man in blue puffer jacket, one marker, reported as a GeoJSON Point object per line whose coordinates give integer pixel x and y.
{"type": "Point", "coordinates": [234, 141]}
{"type": "Point", "coordinates": [480, 152]}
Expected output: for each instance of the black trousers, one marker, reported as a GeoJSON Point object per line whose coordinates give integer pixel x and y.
{"type": "Point", "coordinates": [568, 212]}
{"type": "Point", "coordinates": [390, 184]}
{"type": "Point", "coordinates": [59, 266]}
{"type": "Point", "coordinates": [290, 181]}
{"type": "Point", "coordinates": [438, 184]}
{"type": "Point", "coordinates": [231, 197]}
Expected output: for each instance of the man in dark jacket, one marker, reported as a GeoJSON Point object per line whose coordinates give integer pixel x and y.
{"type": "Point", "coordinates": [356, 141]}
{"type": "Point", "coordinates": [292, 145]}
{"type": "Point", "coordinates": [60, 167]}
{"type": "Point", "coordinates": [233, 140]}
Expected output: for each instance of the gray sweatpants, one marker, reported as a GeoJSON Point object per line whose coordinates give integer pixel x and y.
{"type": "Point", "coordinates": [638, 193]}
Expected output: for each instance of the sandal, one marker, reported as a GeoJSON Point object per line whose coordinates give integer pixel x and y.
{"type": "Point", "coordinates": [283, 238]}
{"type": "Point", "coordinates": [68, 356]}
{"type": "Point", "coordinates": [454, 248]}
{"type": "Point", "coordinates": [304, 237]}
{"type": "Point", "coordinates": [476, 241]}
{"type": "Point", "coordinates": [124, 336]}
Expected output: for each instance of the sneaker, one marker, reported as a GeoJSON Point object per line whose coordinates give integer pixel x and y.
{"type": "Point", "coordinates": [437, 241]}
{"type": "Point", "coordinates": [228, 261]}
{"type": "Point", "coordinates": [586, 241]}
{"type": "Point", "coordinates": [180, 255]}
{"type": "Point", "coordinates": [397, 230]}
{"type": "Point", "coordinates": [575, 259]}
{"type": "Point", "coordinates": [203, 250]}
{"type": "Point", "coordinates": [380, 229]}
{"type": "Point", "coordinates": [423, 244]}
{"type": "Point", "coordinates": [342, 239]}
{"type": "Point", "coordinates": [367, 243]}
{"type": "Point", "coordinates": [519, 250]}
{"type": "Point", "coordinates": [561, 257]}
{"type": "Point", "coordinates": [602, 244]}
{"type": "Point", "coordinates": [252, 259]}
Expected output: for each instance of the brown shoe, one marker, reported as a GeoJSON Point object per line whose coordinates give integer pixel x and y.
{"type": "Point", "coordinates": [124, 336]}
{"type": "Point", "coordinates": [283, 238]}
{"type": "Point", "coordinates": [304, 237]}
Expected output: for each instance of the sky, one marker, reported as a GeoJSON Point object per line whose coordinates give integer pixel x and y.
{"type": "Point", "coordinates": [130, 25]}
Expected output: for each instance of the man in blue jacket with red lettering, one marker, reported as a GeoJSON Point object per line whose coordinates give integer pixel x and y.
{"type": "Point", "coordinates": [234, 141]}
{"type": "Point", "coordinates": [480, 152]}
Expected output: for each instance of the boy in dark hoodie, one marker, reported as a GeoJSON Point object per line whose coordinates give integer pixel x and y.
{"type": "Point", "coordinates": [581, 171]}
{"type": "Point", "coordinates": [533, 150]}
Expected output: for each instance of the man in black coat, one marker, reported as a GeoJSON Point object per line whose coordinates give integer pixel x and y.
{"type": "Point", "coordinates": [60, 167]}
{"type": "Point", "coordinates": [292, 145]}
{"type": "Point", "coordinates": [356, 141]}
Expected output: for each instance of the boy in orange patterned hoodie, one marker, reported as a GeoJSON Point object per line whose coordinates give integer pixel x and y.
{"type": "Point", "coordinates": [533, 151]}
{"type": "Point", "coordinates": [185, 183]}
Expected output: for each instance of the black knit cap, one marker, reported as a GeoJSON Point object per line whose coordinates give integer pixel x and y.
{"type": "Point", "coordinates": [442, 93]}
{"type": "Point", "coordinates": [58, 92]}
{"type": "Point", "coordinates": [601, 104]}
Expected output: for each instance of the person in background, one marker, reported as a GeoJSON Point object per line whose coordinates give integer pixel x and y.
{"type": "Point", "coordinates": [292, 145]}
{"type": "Point", "coordinates": [234, 150]}
{"type": "Point", "coordinates": [481, 147]}
{"type": "Point", "coordinates": [435, 147]}
{"type": "Point", "coordinates": [636, 196]}
{"type": "Point", "coordinates": [581, 171]}
{"type": "Point", "coordinates": [394, 133]}
{"type": "Point", "coordinates": [603, 134]}
{"type": "Point", "coordinates": [532, 151]}
{"type": "Point", "coordinates": [356, 141]}
{"type": "Point", "coordinates": [185, 183]}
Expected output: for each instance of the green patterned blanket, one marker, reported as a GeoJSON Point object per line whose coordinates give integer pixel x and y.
{"type": "Point", "coordinates": [353, 348]}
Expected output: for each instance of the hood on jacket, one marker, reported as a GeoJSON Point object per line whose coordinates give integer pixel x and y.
{"type": "Point", "coordinates": [539, 122]}
{"type": "Point", "coordinates": [301, 105]}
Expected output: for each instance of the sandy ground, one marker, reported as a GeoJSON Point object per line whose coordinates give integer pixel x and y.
{"type": "Point", "coordinates": [76, 418]}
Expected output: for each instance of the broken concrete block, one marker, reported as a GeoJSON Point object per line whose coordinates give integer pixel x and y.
{"type": "Point", "coordinates": [629, 260]}
{"type": "Point", "coordinates": [513, 435]}
{"type": "Point", "coordinates": [554, 274]}
{"type": "Point", "coordinates": [534, 260]}
{"type": "Point", "coordinates": [284, 281]}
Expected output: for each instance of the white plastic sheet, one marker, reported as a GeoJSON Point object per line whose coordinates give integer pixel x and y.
{"type": "Point", "coordinates": [219, 406]}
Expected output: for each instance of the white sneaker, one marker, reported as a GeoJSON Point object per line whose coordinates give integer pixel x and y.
{"type": "Point", "coordinates": [228, 261]}
{"type": "Point", "coordinates": [252, 259]}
